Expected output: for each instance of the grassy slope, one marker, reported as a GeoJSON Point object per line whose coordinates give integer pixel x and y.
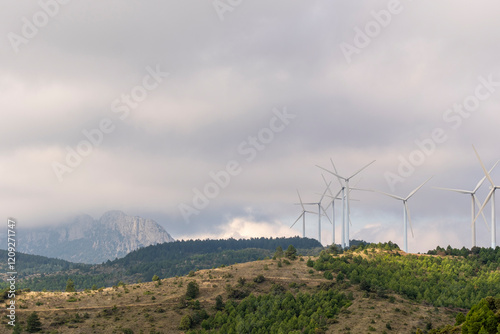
{"type": "Point", "coordinates": [135, 308]}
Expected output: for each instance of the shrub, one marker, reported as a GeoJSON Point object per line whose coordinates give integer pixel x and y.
{"type": "Point", "coordinates": [259, 279]}
{"type": "Point", "coordinates": [241, 281]}
{"type": "Point", "coordinates": [459, 319]}
{"type": "Point", "coordinates": [186, 322]}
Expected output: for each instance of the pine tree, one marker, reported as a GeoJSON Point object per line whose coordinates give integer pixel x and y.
{"type": "Point", "coordinates": [17, 329]}
{"type": "Point", "coordinates": [193, 290]}
{"type": "Point", "coordinates": [70, 285]}
{"type": "Point", "coordinates": [291, 252]}
{"type": "Point", "coordinates": [186, 322]}
{"type": "Point", "coordinates": [33, 323]}
{"type": "Point", "coordinates": [219, 304]}
{"type": "Point", "coordinates": [279, 253]}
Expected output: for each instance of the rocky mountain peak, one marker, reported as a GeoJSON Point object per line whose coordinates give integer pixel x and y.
{"type": "Point", "coordinates": [85, 239]}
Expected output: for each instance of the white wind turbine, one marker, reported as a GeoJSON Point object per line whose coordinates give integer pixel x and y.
{"type": "Point", "coordinates": [406, 212]}
{"type": "Point", "coordinates": [332, 203]}
{"type": "Point", "coordinates": [491, 196]}
{"type": "Point", "coordinates": [303, 216]}
{"type": "Point", "coordinates": [474, 201]}
{"type": "Point", "coordinates": [320, 208]}
{"type": "Point", "coordinates": [346, 192]}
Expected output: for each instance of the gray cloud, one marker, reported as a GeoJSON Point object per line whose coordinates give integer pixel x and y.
{"type": "Point", "coordinates": [225, 79]}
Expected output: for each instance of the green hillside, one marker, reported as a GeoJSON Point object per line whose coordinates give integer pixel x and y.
{"type": "Point", "coordinates": [164, 260]}
{"type": "Point", "coordinates": [447, 280]}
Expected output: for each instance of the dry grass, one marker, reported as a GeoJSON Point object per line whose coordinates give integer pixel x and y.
{"type": "Point", "coordinates": [149, 306]}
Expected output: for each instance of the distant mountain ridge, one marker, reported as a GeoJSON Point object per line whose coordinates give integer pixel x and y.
{"type": "Point", "coordinates": [89, 240]}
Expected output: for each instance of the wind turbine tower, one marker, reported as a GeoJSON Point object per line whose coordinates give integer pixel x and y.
{"type": "Point", "coordinates": [406, 212]}
{"type": "Point", "coordinates": [474, 202]}
{"type": "Point", "coordinates": [347, 201]}
{"type": "Point", "coordinates": [490, 197]}
{"type": "Point", "coordinates": [303, 216]}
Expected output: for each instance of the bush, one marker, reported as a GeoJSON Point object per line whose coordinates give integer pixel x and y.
{"type": "Point", "coordinates": [459, 319]}
{"type": "Point", "coordinates": [233, 293]}
{"type": "Point", "coordinates": [186, 322]}
{"type": "Point", "coordinates": [259, 279]}
{"type": "Point", "coordinates": [241, 281]}
{"type": "Point", "coordinates": [277, 289]}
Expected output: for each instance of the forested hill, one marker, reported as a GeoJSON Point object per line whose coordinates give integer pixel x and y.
{"type": "Point", "coordinates": [459, 280]}
{"type": "Point", "coordinates": [166, 260]}
{"type": "Point", "coordinates": [182, 248]}
{"type": "Point", "coordinates": [27, 264]}
{"type": "Point", "coordinates": [180, 257]}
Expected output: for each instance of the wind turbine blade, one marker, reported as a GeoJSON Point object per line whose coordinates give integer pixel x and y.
{"type": "Point", "coordinates": [335, 169]}
{"type": "Point", "coordinates": [455, 190]}
{"type": "Point", "coordinates": [329, 171]}
{"type": "Point", "coordinates": [300, 199]}
{"type": "Point", "coordinates": [311, 212]}
{"type": "Point", "coordinates": [335, 197]}
{"type": "Point", "coordinates": [476, 200]}
{"type": "Point", "coordinates": [357, 182]}
{"type": "Point", "coordinates": [484, 204]}
{"type": "Point", "coordinates": [359, 189]}
{"type": "Point", "coordinates": [324, 193]}
{"type": "Point", "coordinates": [387, 194]}
{"type": "Point", "coordinates": [324, 211]}
{"type": "Point", "coordinates": [484, 168]}
{"type": "Point", "coordinates": [409, 218]}
{"type": "Point", "coordinates": [327, 184]}
{"type": "Point", "coordinates": [329, 205]}
{"type": "Point", "coordinates": [420, 186]}
{"type": "Point", "coordinates": [359, 171]}
{"type": "Point", "coordinates": [480, 183]}
{"type": "Point", "coordinates": [297, 219]}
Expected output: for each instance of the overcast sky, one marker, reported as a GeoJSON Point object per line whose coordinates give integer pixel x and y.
{"type": "Point", "coordinates": [138, 106]}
